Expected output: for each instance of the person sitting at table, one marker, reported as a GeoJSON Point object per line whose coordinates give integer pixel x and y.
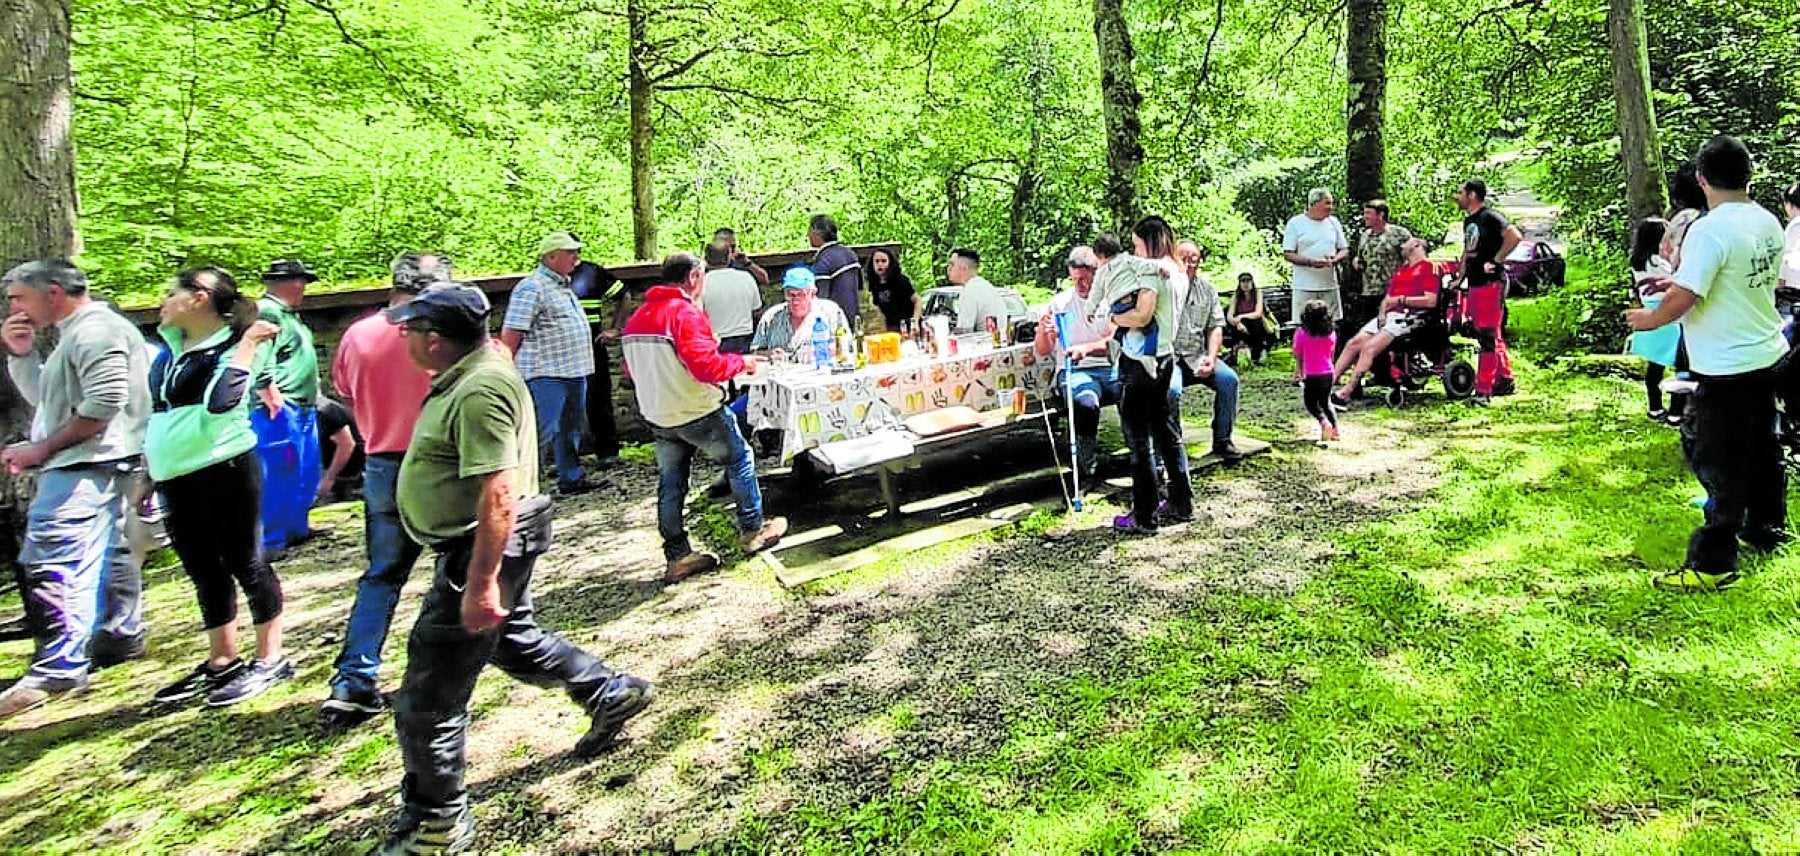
{"type": "Point", "coordinates": [788, 326]}
{"type": "Point", "coordinates": [1090, 381]}
{"type": "Point", "coordinates": [980, 300]}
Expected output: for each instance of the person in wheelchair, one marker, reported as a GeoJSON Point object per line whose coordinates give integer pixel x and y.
{"type": "Point", "coordinates": [1412, 297]}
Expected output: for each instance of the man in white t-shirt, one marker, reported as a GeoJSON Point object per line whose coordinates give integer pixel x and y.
{"type": "Point", "coordinates": [1091, 381]}
{"type": "Point", "coordinates": [1723, 294]}
{"type": "Point", "coordinates": [979, 300]}
{"type": "Point", "coordinates": [730, 299]}
{"type": "Point", "coordinates": [1314, 243]}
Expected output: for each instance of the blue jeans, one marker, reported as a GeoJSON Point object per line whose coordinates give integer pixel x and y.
{"type": "Point", "coordinates": [561, 403]}
{"type": "Point", "coordinates": [79, 563]}
{"type": "Point", "coordinates": [1224, 383]}
{"type": "Point", "coordinates": [391, 558]}
{"type": "Point", "coordinates": [1092, 389]}
{"type": "Point", "coordinates": [716, 436]}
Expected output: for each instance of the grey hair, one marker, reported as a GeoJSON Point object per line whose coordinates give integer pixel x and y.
{"type": "Point", "coordinates": [411, 273]}
{"type": "Point", "coordinates": [1314, 195]}
{"type": "Point", "coordinates": [43, 273]}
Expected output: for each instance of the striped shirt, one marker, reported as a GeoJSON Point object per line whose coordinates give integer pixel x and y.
{"type": "Point", "coordinates": [555, 340]}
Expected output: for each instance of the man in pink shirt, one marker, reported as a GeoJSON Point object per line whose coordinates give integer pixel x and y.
{"type": "Point", "coordinates": [384, 389]}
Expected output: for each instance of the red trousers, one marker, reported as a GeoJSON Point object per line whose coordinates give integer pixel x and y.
{"type": "Point", "coordinates": [1487, 314]}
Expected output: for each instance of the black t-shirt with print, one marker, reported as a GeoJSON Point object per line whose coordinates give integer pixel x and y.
{"type": "Point", "coordinates": [1483, 233]}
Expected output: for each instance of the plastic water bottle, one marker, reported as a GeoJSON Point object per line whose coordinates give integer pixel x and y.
{"type": "Point", "coordinates": [821, 343]}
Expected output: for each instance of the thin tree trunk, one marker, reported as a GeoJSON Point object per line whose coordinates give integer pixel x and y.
{"type": "Point", "coordinates": [1365, 156]}
{"type": "Point", "coordinates": [643, 132]}
{"type": "Point", "coordinates": [1119, 100]}
{"type": "Point", "coordinates": [37, 155]}
{"type": "Point", "coordinates": [1638, 147]}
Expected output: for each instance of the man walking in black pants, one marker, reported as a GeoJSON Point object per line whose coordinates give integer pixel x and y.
{"type": "Point", "coordinates": [467, 488]}
{"type": "Point", "coordinates": [1724, 295]}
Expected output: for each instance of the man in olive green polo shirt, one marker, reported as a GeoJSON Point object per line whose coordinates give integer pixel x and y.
{"type": "Point", "coordinates": [468, 489]}
{"type": "Point", "coordinates": [289, 391]}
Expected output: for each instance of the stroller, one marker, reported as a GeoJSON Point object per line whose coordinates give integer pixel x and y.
{"type": "Point", "coordinates": [1433, 350]}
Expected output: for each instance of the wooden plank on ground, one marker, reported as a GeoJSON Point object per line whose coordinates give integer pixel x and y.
{"type": "Point", "coordinates": [910, 542]}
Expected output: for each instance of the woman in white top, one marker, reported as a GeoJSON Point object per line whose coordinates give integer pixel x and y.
{"type": "Point", "coordinates": [1660, 347]}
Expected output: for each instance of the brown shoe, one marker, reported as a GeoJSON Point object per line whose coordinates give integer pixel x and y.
{"type": "Point", "coordinates": [689, 565]}
{"type": "Point", "coordinates": [768, 536]}
{"type": "Point", "coordinates": [21, 697]}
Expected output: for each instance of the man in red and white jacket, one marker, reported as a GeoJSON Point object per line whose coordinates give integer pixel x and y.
{"type": "Point", "coordinates": [680, 375]}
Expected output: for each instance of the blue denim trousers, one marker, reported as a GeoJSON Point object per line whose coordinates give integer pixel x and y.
{"type": "Point", "coordinates": [82, 572]}
{"type": "Point", "coordinates": [561, 404]}
{"type": "Point", "coordinates": [431, 712]}
{"type": "Point", "coordinates": [715, 435]}
{"type": "Point", "coordinates": [1224, 383]}
{"type": "Point", "coordinates": [391, 558]}
{"type": "Point", "coordinates": [1092, 389]}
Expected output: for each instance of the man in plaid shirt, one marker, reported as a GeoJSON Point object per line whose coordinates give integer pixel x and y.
{"type": "Point", "coordinates": [548, 335]}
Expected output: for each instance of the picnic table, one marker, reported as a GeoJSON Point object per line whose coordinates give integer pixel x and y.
{"type": "Point", "coordinates": [846, 421]}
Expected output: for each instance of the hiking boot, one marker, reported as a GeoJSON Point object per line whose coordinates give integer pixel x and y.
{"type": "Point", "coordinates": [1689, 580]}
{"type": "Point", "coordinates": [768, 536]}
{"type": "Point", "coordinates": [1228, 451]}
{"type": "Point", "coordinates": [1166, 515]}
{"type": "Point", "coordinates": [617, 701]}
{"type": "Point", "coordinates": [689, 565]}
{"type": "Point", "coordinates": [430, 836]}
{"type": "Point", "coordinates": [352, 703]}
{"type": "Point", "coordinates": [203, 679]}
{"type": "Point", "coordinates": [107, 650]}
{"type": "Point", "coordinates": [253, 681]}
{"type": "Point", "coordinates": [1125, 524]}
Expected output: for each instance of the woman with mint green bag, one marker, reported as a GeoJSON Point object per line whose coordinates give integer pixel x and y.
{"type": "Point", "coordinates": [201, 453]}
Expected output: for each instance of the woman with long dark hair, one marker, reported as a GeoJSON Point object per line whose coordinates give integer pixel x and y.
{"type": "Point", "coordinates": [1659, 347]}
{"type": "Point", "coordinates": [1248, 325]}
{"type": "Point", "coordinates": [202, 455]}
{"type": "Point", "coordinates": [890, 289]}
{"type": "Point", "coordinates": [1139, 298]}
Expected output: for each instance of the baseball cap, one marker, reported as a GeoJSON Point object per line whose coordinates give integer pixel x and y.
{"type": "Point", "coordinates": [453, 308]}
{"type": "Point", "coordinates": [798, 277]}
{"type": "Point", "coordinates": [557, 241]}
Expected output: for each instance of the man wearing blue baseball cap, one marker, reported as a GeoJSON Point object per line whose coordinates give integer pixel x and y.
{"type": "Point", "coordinates": [468, 489]}
{"type": "Point", "coordinates": [790, 322]}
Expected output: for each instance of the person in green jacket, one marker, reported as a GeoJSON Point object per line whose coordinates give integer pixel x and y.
{"type": "Point", "coordinates": [202, 454]}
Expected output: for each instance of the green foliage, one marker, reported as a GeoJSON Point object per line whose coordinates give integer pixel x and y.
{"type": "Point", "coordinates": [1587, 315]}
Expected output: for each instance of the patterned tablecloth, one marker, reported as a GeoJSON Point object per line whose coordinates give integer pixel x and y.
{"type": "Point", "coordinates": [811, 408]}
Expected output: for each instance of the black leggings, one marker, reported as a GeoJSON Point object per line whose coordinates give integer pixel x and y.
{"type": "Point", "coordinates": [1653, 377]}
{"type": "Point", "coordinates": [214, 525]}
{"type": "Point", "coordinates": [1316, 391]}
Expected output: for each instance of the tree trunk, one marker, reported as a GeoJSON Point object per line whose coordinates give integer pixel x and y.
{"type": "Point", "coordinates": [1119, 100]}
{"type": "Point", "coordinates": [1365, 53]}
{"type": "Point", "coordinates": [1638, 148]}
{"type": "Point", "coordinates": [641, 93]}
{"type": "Point", "coordinates": [37, 154]}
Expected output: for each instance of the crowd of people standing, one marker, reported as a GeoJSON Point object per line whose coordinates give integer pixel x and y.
{"type": "Point", "coordinates": [456, 420]}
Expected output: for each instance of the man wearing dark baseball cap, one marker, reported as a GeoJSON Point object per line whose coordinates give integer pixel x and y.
{"type": "Point", "coordinates": [383, 388]}
{"type": "Point", "coordinates": [468, 489]}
